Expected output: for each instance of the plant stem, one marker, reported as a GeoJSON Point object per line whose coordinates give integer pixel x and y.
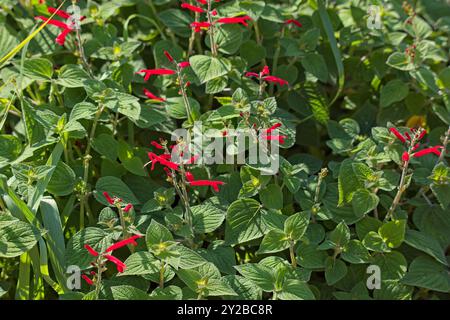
{"type": "Point", "coordinates": [161, 274]}
{"type": "Point", "coordinates": [86, 161]}
{"type": "Point", "coordinates": [192, 37]}
{"type": "Point", "coordinates": [322, 174]}
{"type": "Point", "coordinates": [122, 222]}
{"type": "Point", "coordinates": [444, 144]}
{"type": "Point", "coordinates": [184, 94]}
{"type": "Point", "coordinates": [276, 56]}
{"type": "Point", "coordinates": [292, 254]}
{"type": "Point", "coordinates": [401, 186]}
{"type": "Point", "coordinates": [211, 30]}
{"type": "Point", "coordinates": [98, 283]}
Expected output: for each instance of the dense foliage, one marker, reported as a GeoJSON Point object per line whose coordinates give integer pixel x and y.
{"type": "Point", "coordinates": [86, 182]}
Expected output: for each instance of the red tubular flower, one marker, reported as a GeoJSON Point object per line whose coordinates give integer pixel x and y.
{"type": "Point", "coordinates": [53, 22]}
{"type": "Point", "coordinates": [214, 12]}
{"type": "Point", "coordinates": [91, 251]}
{"type": "Point", "coordinates": [168, 56]}
{"type": "Point", "coordinates": [426, 151]}
{"type": "Point", "coordinates": [189, 176]}
{"type": "Point", "coordinates": [202, 1]}
{"type": "Point", "coordinates": [251, 74]}
{"type": "Point", "coordinates": [397, 134]}
{"type": "Point", "coordinates": [275, 126]}
{"type": "Point", "coordinates": [280, 139]}
{"type": "Point", "coordinates": [274, 79]}
{"type": "Point", "coordinates": [154, 158]}
{"type": "Point", "coordinates": [416, 147]}
{"type": "Point", "coordinates": [108, 198]}
{"type": "Point", "coordinates": [151, 96]}
{"type": "Point", "coordinates": [238, 20]}
{"type": "Point", "coordinates": [151, 72]}
{"type": "Point", "coordinates": [405, 156]}
{"type": "Point", "coordinates": [157, 145]}
{"type": "Point", "coordinates": [214, 184]}
{"type": "Point", "coordinates": [408, 137]}
{"type": "Point", "coordinates": [293, 21]}
{"type": "Point", "coordinates": [422, 134]}
{"type": "Point", "coordinates": [61, 38]}
{"type": "Point", "coordinates": [265, 71]}
{"type": "Point", "coordinates": [199, 26]}
{"type": "Point", "coordinates": [120, 244]}
{"type": "Point", "coordinates": [191, 7]}
{"type": "Point", "coordinates": [184, 64]}
{"type": "Point", "coordinates": [63, 14]}
{"type": "Point", "coordinates": [87, 279]}
{"type": "Point", "coordinates": [128, 208]}
{"type": "Point", "coordinates": [119, 264]}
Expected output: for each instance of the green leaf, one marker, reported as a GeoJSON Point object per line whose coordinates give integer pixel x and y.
{"type": "Point", "coordinates": [228, 38]}
{"type": "Point", "coordinates": [315, 64]}
{"type": "Point", "coordinates": [394, 91]}
{"type": "Point", "coordinates": [364, 201]}
{"type": "Point", "coordinates": [295, 226]}
{"type": "Point", "coordinates": [16, 237]}
{"type": "Point", "coordinates": [393, 233]}
{"type": "Point", "coordinates": [348, 181]}
{"type": "Point", "coordinates": [335, 270]}
{"type": "Point", "coordinates": [392, 265]}
{"type": "Point", "coordinates": [244, 221]}
{"type": "Point", "coordinates": [178, 21]}
{"type": "Point", "coordinates": [355, 252]}
{"type": "Point", "coordinates": [274, 241]}
{"type": "Point", "coordinates": [63, 180]}
{"type": "Point", "coordinates": [425, 272]}
{"type": "Point", "coordinates": [308, 256]}
{"type": "Point", "coordinates": [206, 218]}
{"type": "Point", "coordinates": [340, 235]}
{"type": "Point", "coordinates": [217, 287]}
{"type": "Point", "coordinates": [400, 61]}
{"type": "Point", "coordinates": [262, 276]}
{"type": "Point", "coordinates": [207, 68]}
{"type": "Point", "coordinates": [140, 263]}
{"type": "Point", "coordinates": [272, 196]}
{"type": "Point", "coordinates": [126, 292]}
{"type": "Point", "coordinates": [156, 234]}
{"type": "Point", "coordinates": [373, 241]}
{"type": "Point", "coordinates": [425, 243]}
{"type": "Point", "coordinates": [245, 288]}
{"type": "Point", "coordinates": [115, 187]}
{"type": "Point", "coordinates": [296, 290]}
{"type": "Point", "coordinates": [72, 76]}
{"type": "Point", "coordinates": [38, 69]}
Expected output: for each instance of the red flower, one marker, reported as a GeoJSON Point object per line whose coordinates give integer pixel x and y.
{"type": "Point", "coordinates": [405, 156]}
{"type": "Point", "coordinates": [280, 139]}
{"type": "Point", "coordinates": [275, 126]}
{"type": "Point", "coordinates": [264, 74]}
{"type": "Point", "coordinates": [154, 158]}
{"type": "Point", "coordinates": [184, 64]}
{"type": "Point", "coordinates": [199, 26]}
{"type": "Point", "coordinates": [128, 208]}
{"type": "Point", "coordinates": [151, 96]}
{"type": "Point", "coordinates": [274, 79]}
{"type": "Point", "coordinates": [92, 252]}
{"type": "Point", "coordinates": [192, 159]}
{"type": "Point", "coordinates": [108, 198]}
{"type": "Point", "coordinates": [192, 8]}
{"type": "Point", "coordinates": [214, 184]}
{"type": "Point", "coordinates": [296, 22]}
{"type": "Point", "coordinates": [422, 134]}
{"type": "Point", "coordinates": [119, 264]}
{"type": "Point", "coordinates": [151, 72]}
{"type": "Point", "coordinates": [423, 152]}
{"type": "Point", "coordinates": [156, 145]}
{"type": "Point", "coordinates": [120, 244]}
{"type": "Point", "coordinates": [87, 279]}
{"type": "Point", "coordinates": [63, 14]}
{"type": "Point", "coordinates": [189, 176]}
{"type": "Point", "coordinates": [61, 38]}
{"type": "Point", "coordinates": [214, 12]}
{"type": "Point", "coordinates": [416, 147]}
{"type": "Point", "coordinates": [202, 1]}
{"type": "Point", "coordinates": [241, 20]}
{"type": "Point", "coordinates": [168, 56]}
{"type": "Point", "coordinates": [397, 134]}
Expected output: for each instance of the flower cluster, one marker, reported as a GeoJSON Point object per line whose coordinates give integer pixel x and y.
{"type": "Point", "coordinates": [162, 72]}
{"type": "Point", "coordinates": [412, 141]}
{"type": "Point", "coordinates": [114, 201]}
{"type": "Point", "coordinates": [65, 28]}
{"type": "Point", "coordinates": [170, 167]}
{"type": "Point", "coordinates": [102, 258]}
{"type": "Point", "coordinates": [264, 75]}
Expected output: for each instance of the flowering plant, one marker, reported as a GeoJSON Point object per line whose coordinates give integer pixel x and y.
{"type": "Point", "coordinates": [108, 172]}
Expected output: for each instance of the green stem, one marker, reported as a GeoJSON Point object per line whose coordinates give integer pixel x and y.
{"type": "Point", "coordinates": [292, 254]}
{"type": "Point", "coordinates": [444, 144]}
{"type": "Point", "coordinates": [98, 283]}
{"type": "Point", "coordinates": [211, 30]}
{"type": "Point", "coordinates": [161, 274]}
